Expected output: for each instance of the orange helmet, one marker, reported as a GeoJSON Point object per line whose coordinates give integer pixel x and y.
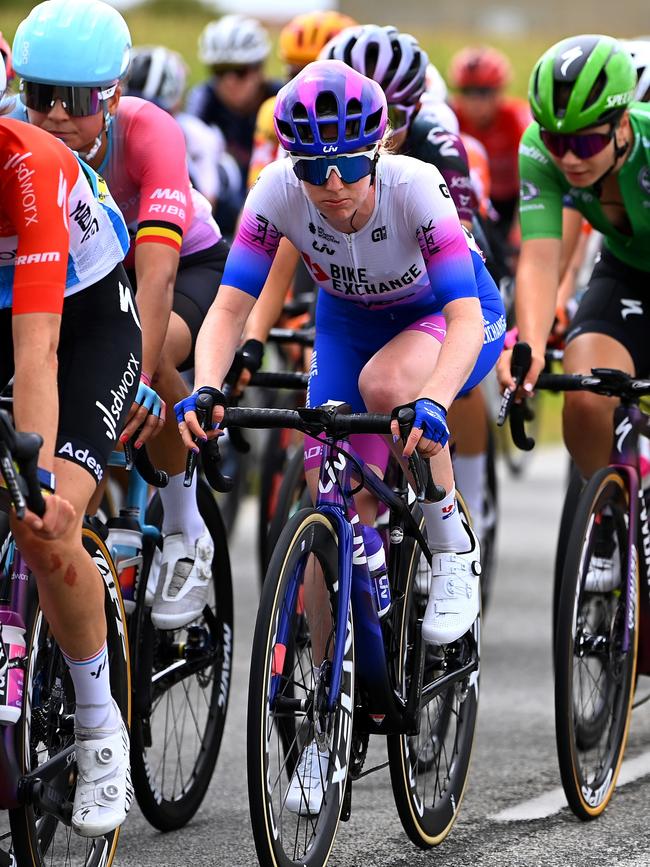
{"type": "Point", "coordinates": [481, 67]}
{"type": "Point", "coordinates": [302, 39]}
{"type": "Point", "coordinates": [5, 55]}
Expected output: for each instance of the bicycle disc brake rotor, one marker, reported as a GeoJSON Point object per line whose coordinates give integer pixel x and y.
{"type": "Point", "coordinates": [323, 719]}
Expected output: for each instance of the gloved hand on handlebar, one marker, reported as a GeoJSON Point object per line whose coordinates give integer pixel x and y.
{"type": "Point", "coordinates": [188, 413]}
{"type": "Point", "coordinates": [148, 412]}
{"type": "Point", "coordinates": [248, 360]}
{"type": "Point", "coordinates": [429, 432]}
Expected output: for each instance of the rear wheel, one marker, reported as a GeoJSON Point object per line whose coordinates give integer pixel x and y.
{"type": "Point", "coordinates": [182, 686]}
{"type": "Point", "coordinates": [429, 769]}
{"type": "Point", "coordinates": [289, 701]}
{"type": "Point", "coordinates": [46, 730]}
{"type": "Point", "coordinates": [596, 647]}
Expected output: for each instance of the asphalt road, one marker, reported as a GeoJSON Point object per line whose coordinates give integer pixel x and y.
{"type": "Point", "coordinates": [513, 813]}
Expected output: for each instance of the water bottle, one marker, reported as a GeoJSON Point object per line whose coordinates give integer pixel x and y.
{"type": "Point", "coordinates": [377, 567]}
{"type": "Point", "coordinates": [12, 673]}
{"type": "Point", "coordinates": [125, 544]}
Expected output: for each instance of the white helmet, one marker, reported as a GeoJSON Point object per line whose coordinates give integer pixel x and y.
{"type": "Point", "coordinates": [639, 51]}
{"type": "Point", "coordinates": [394, 60]}
{"type": "Point", "coordinates": [233, 41]}
{"type": "Point", "coordinates": [158, 74]}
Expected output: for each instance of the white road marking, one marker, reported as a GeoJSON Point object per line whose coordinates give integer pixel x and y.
{"type": "Point", "coordinates": [555, 800]}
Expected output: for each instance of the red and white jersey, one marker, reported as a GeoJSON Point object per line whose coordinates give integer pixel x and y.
{"type": "Point", "coordinates": [60, 230]}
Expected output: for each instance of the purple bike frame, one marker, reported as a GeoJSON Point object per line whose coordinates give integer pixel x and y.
{"type": "Point", "coordinates": [629, 423]}
{"type": "Point", "coordinates": [334, 498]}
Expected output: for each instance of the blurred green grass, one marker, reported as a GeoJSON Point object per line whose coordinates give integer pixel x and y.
{"type": "Point", "coordinates": [177, 24]}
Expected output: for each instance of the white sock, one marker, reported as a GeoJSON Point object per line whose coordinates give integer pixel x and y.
{"type": "Point", "coordinates": [469, 472]}
{"type": "Point", "coordinates": [180, 511]}
{"type": "Point", "coordinates": [92, 689]}
{"type": "Point", "coordinates": [445, 530]}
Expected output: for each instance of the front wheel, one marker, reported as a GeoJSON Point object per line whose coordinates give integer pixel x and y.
{"type": "Point", "coordinates": [298, 744]}
{"type": "Point", "coordinates": [45, 730]}
{"type": "Point", "coordinates": [596, 646]}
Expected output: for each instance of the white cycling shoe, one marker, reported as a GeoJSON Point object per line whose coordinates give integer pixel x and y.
{"type": "Point", "coordinates": [183, 582]}
{"type": "Point", "coordinates": [309, 782]}
{"type": "Point", "coordinates": [104, 791]}
{"type": "Point", "coordinates": [455, 594]}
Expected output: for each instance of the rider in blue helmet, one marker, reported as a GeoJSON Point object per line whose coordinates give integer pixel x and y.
{"type": "Point", "coordinates": [176, 257]}
{"type": "Point", "coordinates": [91, 43]}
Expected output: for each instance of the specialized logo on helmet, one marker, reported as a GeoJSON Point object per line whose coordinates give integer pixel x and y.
{"type": "Point", "coordinates": [568, 57]}
{"type": "Point", "coordinates": [616, 100]}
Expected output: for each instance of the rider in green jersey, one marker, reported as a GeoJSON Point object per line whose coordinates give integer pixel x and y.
{"type": "Point", "coordinates": [588, 142]}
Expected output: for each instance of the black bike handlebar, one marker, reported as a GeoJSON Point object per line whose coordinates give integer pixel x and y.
{"type": "Point", "coordinates": [301, 336]}
{"type": "Point", "coordinates": [280, 379]}
{"type": "Point", "coordinates": [142, 462]}
{"type": "Point", "coordinates": [19, 464]}
{"type": "Point", "coordinates": [605, 381]}
{"type": "Point", "coordinates": [318, 420]}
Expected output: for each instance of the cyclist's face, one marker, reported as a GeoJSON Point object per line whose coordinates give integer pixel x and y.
{"type": "Point", "coordinates": [336, 200]}
{"type": "Point", "coordinates": [239, 87]}
{"type": "Point", "coordinates": [78, 133]}
{"type": "Point", "coordinates": [480, 104]}
{"type": "Point", "coordinates": [585, 172]}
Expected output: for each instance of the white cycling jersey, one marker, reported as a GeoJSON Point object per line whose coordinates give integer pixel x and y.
{"type": "Point", "coordinates": [412, 250]}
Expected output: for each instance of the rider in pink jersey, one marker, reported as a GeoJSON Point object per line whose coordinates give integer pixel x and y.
{"type": "Point", "coordinates": [151, 184]}
{"type": "Point", "coordinates": [177, 254]}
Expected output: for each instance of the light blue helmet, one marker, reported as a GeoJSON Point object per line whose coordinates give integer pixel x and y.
{"type": "Point", "coordinates": [82, 43]}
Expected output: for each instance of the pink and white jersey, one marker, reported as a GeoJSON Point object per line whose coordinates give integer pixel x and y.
{"type": "Point", "coordinates": [412, 250]}
{"type": "Point", "coordinates": [146, 171]}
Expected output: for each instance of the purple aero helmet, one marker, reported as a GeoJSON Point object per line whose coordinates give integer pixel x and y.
{"type": "Point", "coordinates": [328, 109]}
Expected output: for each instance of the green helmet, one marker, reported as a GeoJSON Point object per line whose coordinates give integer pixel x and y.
{"type": "Point", "coordinates": [580, 82]}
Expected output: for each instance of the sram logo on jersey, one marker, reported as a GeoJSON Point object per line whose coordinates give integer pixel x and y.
{"type": "Point", "coordinates": [83, 457]}
{"type": "Point", "coordinates": [35, 258]}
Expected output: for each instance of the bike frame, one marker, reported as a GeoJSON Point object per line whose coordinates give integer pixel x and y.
{"type": "Point", "coordinates": [629, 424]}
{"type": "Point", "coordinates": [389, 711]}
{"type": "Point", "coordinates": [136, 495]}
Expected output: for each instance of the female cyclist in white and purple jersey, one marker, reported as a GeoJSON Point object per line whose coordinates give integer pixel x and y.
{"type": "Point", "coordinates": [407, 311]}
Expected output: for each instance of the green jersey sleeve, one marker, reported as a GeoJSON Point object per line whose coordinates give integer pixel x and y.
{"type": "Point", "coordinates": [541, 189]}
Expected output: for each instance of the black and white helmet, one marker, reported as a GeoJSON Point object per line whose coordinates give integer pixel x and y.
{"type": "Point", "coordinates": [392, 59]}
{"type": "Point", "coordinates": [158, 74]}
{"type": "Point", "coordinates": [233, 40]}
{"type": "Point", "coordinates": [639, 51]}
